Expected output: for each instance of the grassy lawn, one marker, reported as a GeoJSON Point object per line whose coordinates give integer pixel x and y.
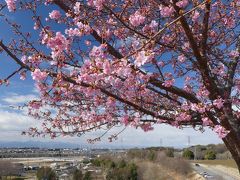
{"type": "Point", "coordinates": [227, 163]}
{"type": "Point", "coordinates": [28, 176]}
{"type": "Point", "coordinates": [12, 177]}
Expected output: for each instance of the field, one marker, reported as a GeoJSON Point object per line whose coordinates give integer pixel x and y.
{"type": "Point", "coordinates": [13, 177]}
{"type": "Point", "coordinates": [227, 163]}
{"type": "Point", "coordinates": [150, 170]}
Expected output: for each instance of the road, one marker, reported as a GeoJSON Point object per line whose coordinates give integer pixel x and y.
{"type": "Point", "coordinates": [216, 173]}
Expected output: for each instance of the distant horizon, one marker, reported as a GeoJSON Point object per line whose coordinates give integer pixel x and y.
{"type": "Point", "coordinates": [58, 144]}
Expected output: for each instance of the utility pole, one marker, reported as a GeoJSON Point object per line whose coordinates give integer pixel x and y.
{"type": "Point", "coordinates": [195, 153]}
{"type": "Point", "coordinates": [122, 143]}
{"type": "Point", "coordinates": [189, 141]}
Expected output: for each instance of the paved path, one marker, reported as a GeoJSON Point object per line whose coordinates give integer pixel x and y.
{"type": "Point", "coordinates": [217, 172]}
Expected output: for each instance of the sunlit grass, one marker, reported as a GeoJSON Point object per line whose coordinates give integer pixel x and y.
{"type": "Point", "coordinates": [227, 163]}
{"type": "Point", "coordinates": [12, 177]}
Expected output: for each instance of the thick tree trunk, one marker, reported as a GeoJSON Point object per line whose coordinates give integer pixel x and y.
{"type": "Point", "coordinates": [232, 142]}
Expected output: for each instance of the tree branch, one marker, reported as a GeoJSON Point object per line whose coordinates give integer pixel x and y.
{"type": "Point", "coordinates": [205, 28]}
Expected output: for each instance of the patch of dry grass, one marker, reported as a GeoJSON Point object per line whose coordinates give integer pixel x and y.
{"type": "Point", "coordinates": [227, 163]}
{"type": "Point", "coordinates": [152, 170]}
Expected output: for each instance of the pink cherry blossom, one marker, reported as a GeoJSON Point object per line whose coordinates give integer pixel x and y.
{"type": "Point", "coordinates": [169, 83]}
{"type": "Point", "coordinates": [218, 103]}
{"type": "Point", "coordinates": [77, 7]}
{"type": "Point", "coordinates": [221, 131]}
{"type": "Point", "coordinates": [87, 42]}
{"type": "Point", "coordinates": [35, 104]}
{"type": "Point", "coordinates": [203, 92]}
{"type": "Point", "coordinates": [36, 25]}
{"type": "Point", "coordinates": [153, 24]}
{"type": "Point", "coordinates": [198, 107]}
{"type": "Point", "coordinates": [142, 58]}
{"type": "Point", "coordinates": [23, 75]}
{"type": "Point", "coordinates": [24, 59]}
{"type": "Point", "coordinates": [161, 63]}
{"type": "Point", "coordinates": [90, 2]}
{"type": "Point", "coordinates": [182, 3]}
{"type": "Point", "coordinates": [55, 15]}
{"type": "Point", "coordinates": [152, 27]}
{"type": "Point", "coordinates": [84, 28]}
{"type": "Point", "coordinates": [38, 75]}
{"type": "Point", "coordinates": [181, 58]}
{"type": "Point", "coordinates": [147, 127]}
{"type": "Point", "coordinates": [206, 121]}
{"type": "Point", "coordinates": [195, 16]}
{"type": "Point", "coordinates": [185, 106]}
{"type": "Point", "coordinates": [183, 116]}
{"type": "Point", "coordinates": [58, 44]}
{"type": "Point", "coordinates": [99, 64]}
{"type": "Point", "coordinates": [137, 19]}
{"type": "Point", "coordinates": [11, 4]}
{"type": "Point", "coordinates": [166, 11]}
{"type": "Point", "coordinates": [96, 3]}
{"type": "Point", "coordinates": [98, 51]}
{"type": "Point", "coordinates": [99, 4]}
{"type": "Point", "coordinates": [73, 32]}
{"type": "Point", "coordinates": [229, 21]}
{"type": "Point", "coordinates": [106, 67]}
{"type": "Point", "coordinates": [220, 69]}
{"type": "Point", "coordinates": [234, 53]}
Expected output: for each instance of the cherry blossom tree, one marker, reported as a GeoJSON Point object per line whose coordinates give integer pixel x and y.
{"type": "Point", "coordinates": [132, 63]}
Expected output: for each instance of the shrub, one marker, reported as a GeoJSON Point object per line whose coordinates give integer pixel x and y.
{"type": "Point", "coordinates": [210, 155]}
{"type": "Point", "coordinates": [87, 176]}
{"type": "Point", "coordinates": [122, 164]}
{"type": "Point", "coordinates": [188, 154]}
{"type": "Point", "coordinates": [133, 171]}
{"type": "Point", "coordinates": [96, 162]}
{"type": "Point", "coordinates": [128, 172]}
{"type": "Point", "coordinates": [77, 175]}
{"type": "Point", "coordinates": [46, 173]}
{"type": "Point", "coordinates": [152, 155]}
{"type": "Point", "coordinates": [169, 152]}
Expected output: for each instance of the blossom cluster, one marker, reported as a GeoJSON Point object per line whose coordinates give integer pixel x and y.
{"type": "Point", "coordinates": [57, 43]}
{"type": "Point", "coordinates": [111, 67]}
{"type": "Point", "coordinates": [11, 4]}
{"type": "Point", "coordinates": [55, 14]}
{"type": "Point", "coordinates": [137, 19]}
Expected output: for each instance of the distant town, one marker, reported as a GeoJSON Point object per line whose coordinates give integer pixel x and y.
{"type": "Point", "coordinates": [53, 152]}
{"type": "Point", "coordinates": [195, 162]}
{"type": "Point", "coordinates": [26, 162]}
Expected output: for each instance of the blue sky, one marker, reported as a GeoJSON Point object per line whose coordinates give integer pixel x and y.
{"type": "Point", "coordinates": [12, 122]}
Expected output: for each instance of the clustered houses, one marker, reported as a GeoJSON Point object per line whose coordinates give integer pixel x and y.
{"type": "Point", "coordinates": [38, 152]}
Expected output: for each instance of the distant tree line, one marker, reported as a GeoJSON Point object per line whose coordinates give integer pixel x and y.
{"type": "Point", "coordinates": [208, 152]}
{"type": "Point", "coordinates": [199, 152]}
{"type": "Point", "coordinates": [149, 153]}
{"type": "Point", "coordinates": [117, 170]}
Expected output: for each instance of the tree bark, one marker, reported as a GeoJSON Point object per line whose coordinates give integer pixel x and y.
{"type": "Point", "coordinates": [232, 142]}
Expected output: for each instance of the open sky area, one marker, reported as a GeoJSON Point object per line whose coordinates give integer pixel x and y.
{"type": "Point", "coordinates": [13, 121]}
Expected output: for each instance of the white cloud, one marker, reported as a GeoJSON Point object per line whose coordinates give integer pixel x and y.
{"type": "Point", "coordinates": [162, 135]}
{"type": "Point", "coordinates": [13, 122]}
{"type": "Point", "coordinates": [18, 99]}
